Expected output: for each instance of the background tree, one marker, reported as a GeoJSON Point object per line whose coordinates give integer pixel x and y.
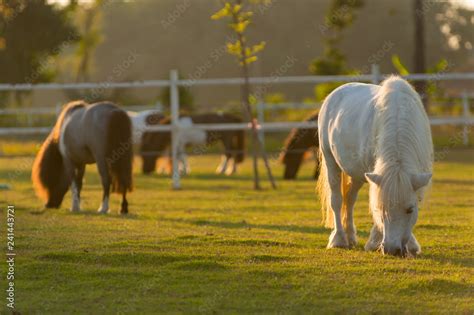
{"type": "Point", "coordinates": [341, 15]}
{"type": "Point", "coordinates": [32, 32]}
{"type": "Point", "coordinates": [87, 18]}
{"type": "Point", "coordinates": [240, 18]}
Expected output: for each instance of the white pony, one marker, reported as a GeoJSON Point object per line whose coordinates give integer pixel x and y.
{"type": "Point", "coordinates": [379, 134]}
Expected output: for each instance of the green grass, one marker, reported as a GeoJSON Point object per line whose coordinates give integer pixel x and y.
{"type": "Point", "coordinates": [217, 246]}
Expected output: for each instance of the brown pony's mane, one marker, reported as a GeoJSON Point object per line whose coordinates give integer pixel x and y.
{"type": "Point", "coordinates": [47, 172]}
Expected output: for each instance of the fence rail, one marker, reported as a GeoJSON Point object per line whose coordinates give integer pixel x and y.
{"type": "Point", "coordinates": [375, 77]}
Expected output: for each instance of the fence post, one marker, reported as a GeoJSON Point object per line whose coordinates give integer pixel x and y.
{"type": "Point", "coordinates": [376, 78]}
{"type": "Point", "coordinates": [174, 101]}
{"type": "Point", "coordinates": [261, 118]}
{"type": "Point", "coordinates": [466, 114]}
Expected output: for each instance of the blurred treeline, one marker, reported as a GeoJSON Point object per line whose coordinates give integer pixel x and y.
{"type": "Point", "coordinates": [41, 41]}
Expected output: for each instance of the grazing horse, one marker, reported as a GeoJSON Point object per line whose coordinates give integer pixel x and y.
{"type": "Point", "coordinates": [297, 144]}
{"type": "Point", "coordinates": [140, 120]}
{"type": "Point", "coordinates": [155, 143]}
{"type": "Point", "coordinates": [380, 135]}
{"type": "Point", "coordinates": [84, 134]}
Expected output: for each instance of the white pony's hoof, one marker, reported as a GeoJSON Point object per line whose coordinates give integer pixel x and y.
{"type": "Point", "coordinates": [375, 240]}
{"type": "Point", "coordinates": [413, 248]}
{"type": "Point", "coordinates": [338, 239]}
{"type": "Point", "coordinates": [75, 209]}
{"type": "Point", "coordinates": [352, 239]}
{"type": "Point", "coordinates": [372, 246]}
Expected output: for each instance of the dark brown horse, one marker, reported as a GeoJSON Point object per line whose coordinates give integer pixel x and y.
{"type": "Point", "coordinates": [298, 142]}
{"type": "Point", "coordinates": [84, 134]}
{"type": "Point", "coordinates": [155, 144]}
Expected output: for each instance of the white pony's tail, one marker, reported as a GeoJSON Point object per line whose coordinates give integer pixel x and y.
{"type": "Point", "coordinates": [324, 192]}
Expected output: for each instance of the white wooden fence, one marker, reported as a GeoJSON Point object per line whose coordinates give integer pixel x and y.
{"type": "Point", "coordinates": [174, 82]}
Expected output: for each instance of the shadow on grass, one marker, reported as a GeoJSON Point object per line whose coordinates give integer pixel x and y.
{"type": "Point", "coordinates": [438, 286]}
{"type": "Point", "coordinates": [459, 261]}
{"type": "Point", "coordinates": [118, 259]}
{"type": "Point", "coordinates": [245, 225]}
{"type": "Point", "coordinates": [111, 214]}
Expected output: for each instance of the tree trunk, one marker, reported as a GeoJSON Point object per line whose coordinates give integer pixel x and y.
{"type": "Point", "coordinates": [419, 49]}
{"type": "Point", "coordinates": [257, 146]}
{"type": "Point", "coordinates": [249, 118]}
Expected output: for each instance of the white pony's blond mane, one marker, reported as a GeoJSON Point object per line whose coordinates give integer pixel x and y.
{"type": "Point", "coordinates": [403, 146]}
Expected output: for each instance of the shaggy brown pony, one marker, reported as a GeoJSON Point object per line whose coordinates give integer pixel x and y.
{"type": "Point", "coordinates": [297, 144]}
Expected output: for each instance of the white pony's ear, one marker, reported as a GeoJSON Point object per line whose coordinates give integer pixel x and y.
{"type": "Point", "coordinates": [373, 178]}
{"type": "Point", "coordinates": [420, 180]}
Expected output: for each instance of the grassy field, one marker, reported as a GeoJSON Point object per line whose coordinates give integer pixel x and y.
{"type": "Point", "coordinates": [217, 246]}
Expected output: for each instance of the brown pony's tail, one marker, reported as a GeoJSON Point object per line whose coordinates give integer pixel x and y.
{"type": "Point", "coordinates": [119, 152]}
{"type": "Point", "coordinates": [240, 146]}
{"type": "Point", "coordinates": [50, 180]}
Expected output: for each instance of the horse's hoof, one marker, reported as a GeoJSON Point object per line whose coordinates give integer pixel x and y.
{"type": "Point", "coordinates": [102, 211]}
{"type": "Point", "coordinates": [338, 239]}
{"type": "Point", "coordinates": [413, 247]}
{"type": "Point", "coordinates": [230, 173]}
{"type": "Point", "coordinates": [352, 239]}
{"type": "Point", "coordinates": [413, 251]}
{"type": "Point", "coordinates": [372, 246]}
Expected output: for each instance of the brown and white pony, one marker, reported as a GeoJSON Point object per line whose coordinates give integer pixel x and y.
{"type": "Point", "coordinates": [155, 144]}
{"type": "Point", "coordinates": [84, 134]}
{"type": "Point", "coordinates": [297, 144]}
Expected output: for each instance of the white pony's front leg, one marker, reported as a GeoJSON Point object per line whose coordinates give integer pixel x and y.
{"type": "Point", "coordinates": [375, 239]}
{"type": "Point", "coordinates": [223, 165]}
{"type": "Point", "coordinates": [354, 187]}
{"type": "Point", "coordinates": [76, 201]}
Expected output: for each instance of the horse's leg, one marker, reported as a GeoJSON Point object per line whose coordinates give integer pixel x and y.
{"type": "Point", "coordinates": [232, 168]}
{"type": "Point", "coordinates": [223, 165]}
{"type": "Point", "coordinates": [413, 247]}
{"type": "Point", "coordinates": [375, 239]}
{"type": "Point", "coordinates": [105, 178]}
{"type": "Point", "coordinates": [76, 188]}
{"type": "Point", "coordinates": [124, 206]}
{"type": "Point", "coordinates": [350, 202]}
{"type": "Point", "coordinates": [338, 236]}
{"type": "Point", "coordinates": [184, 163]}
